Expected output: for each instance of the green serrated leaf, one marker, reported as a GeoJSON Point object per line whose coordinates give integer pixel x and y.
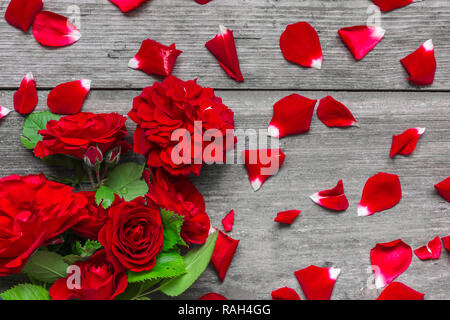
{"type": "Point", "coordinates": [137, 289]}
{"type": "Point", "coordinates": [26, 292]}
{"type": "Point", "coordinates": [126, 181]}
{"type": "Point", "coordinates": [46, 266]}
{"type": "Point", "coordinates": [105, 196]}
{"type": "Point", "coordinates": [168, 265]}
{"type": "Point", "coordinates": [172, 223]}
{"type": "Point", "coordinates": [88, 249]}
{"type": "Point", "coordinates": [72, 258]}
{"type": "Point", "coordinates": [195, 262]}
{"type": "Point", "coordinates": [33, 123]}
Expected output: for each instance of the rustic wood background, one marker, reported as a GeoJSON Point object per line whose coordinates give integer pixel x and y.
{"type": "Point", "coordinates": [375, 89]}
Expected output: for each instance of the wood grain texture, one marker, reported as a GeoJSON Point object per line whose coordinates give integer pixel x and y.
{"type": "Point", "coordinates": [110, 38]}
{"type": "Point", "coordinates": [269, 254]}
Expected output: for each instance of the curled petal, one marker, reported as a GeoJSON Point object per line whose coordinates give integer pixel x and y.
{"type": "Point", "coordinates": [287, 217]}
{"type": "Point", "coordinates": [443, 188]}
{"type": "Point", "coordinates": [389, 260]}
{"type": "Point", "coordinates": [127, 5]}
{"type": "Point", "coordinates": [261, 164]}
{"type": "Point", "coordinates": [388, 5]}
{"type": "Point", "coordinates": [332, 113]}
{"type": "Point", "coordinates": [430, 251]}
{"type": "Point", "coordinates": [381, 192]}
{"type": "Point", "coordinates": [26, 98]}
{"type": "Point", "coordinates": [360, 40]}
{"type": "Point", "coordinates": [405, 143]}
{"type": "Point", "coordinates": [317, 283]}
{"type": "Point", "coordinates": [212, 296]}
{"type": "Point", "coordinates": [228, 221]}
{"type": "Point", "coordinates": [333, 199]}
{"type": "Point", "coordinates": [21, 13]}
{"type": "Point", "coordinates": [54, 30]}
{"type": "Point", "coordinates": [155, 58]}
{"type": "Point", "coordinates": [399, 291]}
{"type": "Point", "coordinates": [285, 293]}
{"type": "Point", "coordinates": [223, 254]}
{"type": "Point", "coordinates": [4, 112]}
{"type": "Point", "coordinates": [291, 115]}
{"type": "Point", "coordinates": [223, 47]}
{"type": "Point", "coordinates": [68, 98]}
{"type": "Point", "coordinates": [421, 64]}
{"type": "Point", "coordinates": [446, 242]}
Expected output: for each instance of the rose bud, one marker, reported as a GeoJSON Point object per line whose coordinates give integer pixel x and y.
{"type": "Point", "coordinates": [93, 157]}
{"type": "Point", "coordinates": [113, 156]}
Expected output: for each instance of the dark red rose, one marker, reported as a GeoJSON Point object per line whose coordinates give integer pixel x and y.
{"type": "Point", "coordinates": [73, 135]}
{"type": "Point", "coordinates": [133, 235]}
{"type": "Point", "coordinates": [175, 104]}
{"type": "Point", "coordinates": [180, 196]}
{"type": "Point", "coordinates": [33, 210]}
{"type": "Point", "coordinates": [99, 280]}
{"type": "Point", "coordinates": [94, 220]}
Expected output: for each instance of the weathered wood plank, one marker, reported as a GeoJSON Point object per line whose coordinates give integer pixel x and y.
{"type": "Point", "coordinates": [268, 254]}
{"type": "Point", "coordinates": [111, 38]}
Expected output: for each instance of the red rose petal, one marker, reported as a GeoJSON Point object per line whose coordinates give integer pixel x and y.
{"type": "Point", "coordinates": [155, 58]}
{"type": "Point", "coordinates": [127, 5]}
{"type": "Point", "coordinates": [388, 5]}
{"type": "Point", "coordinates": [332, 113]}
{"type": "Point", "coordinates": [223, 254]}
{"type": "Point", "coordinates": [26, 98]}
{"type": "Point", "coordinates": [4, 112]}
{"type": "Point", "coordinates": [333, 199]}
{"type": "Point", "coordinates": [261, 164]}
{"type": "Point", "coordinates": [228, 221]}
{"type": "Point", "coordinates": [360, 40]}
{"type": "Point", "coordinates": [381, 192]}
{"type": "Point", "coordinates": [287, 217]}
{"type": "Point", "coordinates": [202, 1]}
{"type": "Point", "coordinates": [317, 283]}
{"type": "Point", "coordinates": [446, 242]}
{"type": "Point", "coordinates": [430, 251]}
{"type": "Point", "coordinates": [406, 142]}
{"type": "Point", "coordinates": [21, 13]}
{"type": "Point", "coordinates": [421, 64]}
{"type": "Point", "coordinates": [54, 30]}
{"type": "Point", "coordinates": [399, 291]}
{"type": "Point", "coordinates": [285, 293]}
{"type": "Point", "coordinates": [291, 115]}
{"type": "Point", "coordinates": [67, 98]}
{"type": "Point", "coordinates": [212, 296]}
{"type": "Point", "coordinates": [300, 44]}
{"type": "Point", "coordinates": [223, 47]}
{"type": "Point", "coordinates": [443, 188]}
{"type": "Point", "coordinates": [389, 260]}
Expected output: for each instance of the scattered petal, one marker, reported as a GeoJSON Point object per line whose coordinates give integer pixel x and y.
{"type": "Point", "coordinates": [285, 293]}
{"type": "Point", "coordinates": [332, 113]}
{"type": "Point", "coordinates": [228, 221]}
{"type": "Point", "coordinates": [430, 251]}
{"type": "Point", "coordinates": [360, 40]}
{"type": "Point", "coordinates": [405, 143]}
{"type": "Point", "coordinates": [67, 98]}
{"type": "Point", "coordinates": [446, 242]}
{"type": "Point", "coordinates": [291, 115]}
{"type": "Point", "coordinates": [223, 47]}
{"type": "Point", "coordinates": [223, 254]}
{"type": "Point", "coordinates": [212, 296]}
{"type": "Point", "coordinates": [300, 44]}
{"type": "Point", "coordinates": [26, 98]}
{"type": "Point", "coordinates": [443, 188]}
{"type": "Point", "coordinates": [21, 13]}
{"type": "Point", "coordinates": [4, 112]}
{"type": "Point", "coordinates": [317, 283]}
{"type": "Point", "coordinates": [399, 291]}
{"type": "Point", "coordinates": [287, 217]}
{"type": "Point", "coordinates": [421, 64]}
{"type": "Point", "coordinates": [261, 164]}
{"type": "Point", "coordinates": [389, 260]}
{"type": "Point", "coordinates": [388, 5]}
{"type": "Point", "coordinates": [53, 30]}
{"type": "Point", "coordinates": [381, 192]}
{"type": "Point", "coordinates": [127, 5]}
{"type": "Point", "coordinates": [333, 199]}
{"type": "Point", "coordinates": [155, 58]}
{"type": "Point", "coordinates": [202, 1]}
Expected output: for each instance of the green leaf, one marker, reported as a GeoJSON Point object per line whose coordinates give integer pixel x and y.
{"type": "Point", "coordinates": [33, 123]}
{"type": "Point", "coordinates": [137, 289]}
{"type": "Point", "coordinates": [105, 196]}
{"type": "Point", "coordinates": [195, 262]}
{"type": "Point", "coordinates": [46, 266]}
{"type": "Point", "coordinates": [172, 223]}
{"type": "Point", "coordinates": [26, 292]}
{"type": "Point", "coordinates": [126, 181]}
{"type": "Point", "coordinates": [168, 265]}
{"type": "Point", "coordinates": [72, 258]}
{"type": "Point", "coordinates": [88, 249]}
{"type": "Point", "coordinates": [143, 298]}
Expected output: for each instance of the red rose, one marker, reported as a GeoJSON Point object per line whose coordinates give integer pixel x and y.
{"type": "Point", "coordinates": [133, 235]}
{"type": "Point", "coordinates": [33, 210]}
{"type": "Point", "coordinates": [94, 220]}
{"type": "Point", "coordinates": [99, 281]}
{"type": "Point", "coordinates": [175, 104]}
{"type": "Point", "coordinates": [180, 196]}
{"type": "Point", "coordinates": [73, 135]}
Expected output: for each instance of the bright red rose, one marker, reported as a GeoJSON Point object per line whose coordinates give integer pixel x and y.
{"type": "Point", "coordinates": [180, 196]}
{"type": "Point", "coordinates": [73, 135]}
{"type": "Point", "coordinates": [133, 235]}
{"type": "Point", "coordinates": [99, 281]}
{"type": "Point", "coordinates": [94, 220]}
{"type": "Point", "coordinates": [33, 210]}
{"type": "Point", "coordinates": [175, 104]}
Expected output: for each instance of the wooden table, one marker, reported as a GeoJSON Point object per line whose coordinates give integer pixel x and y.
{"type": "Point", "coordinates": [375, 89]}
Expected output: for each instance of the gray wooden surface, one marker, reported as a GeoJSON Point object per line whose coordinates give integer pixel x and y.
{"type": "Point", "coordinates": [374, 89]}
